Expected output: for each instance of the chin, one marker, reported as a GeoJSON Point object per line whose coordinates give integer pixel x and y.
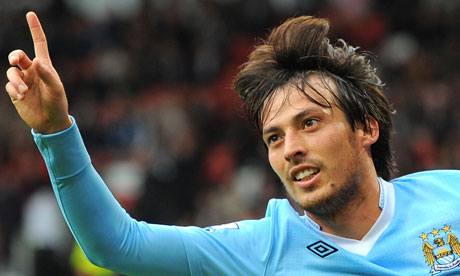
{"type": "Point", "coordinates": [327, 205]}
{"type": "Point", "coordinates": [309, 204]}
{"type": "Point", "coordinates": [307, 200]}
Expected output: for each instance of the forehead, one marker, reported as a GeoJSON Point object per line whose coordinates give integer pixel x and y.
{"type": "Point", "coordinates": [317, 93]}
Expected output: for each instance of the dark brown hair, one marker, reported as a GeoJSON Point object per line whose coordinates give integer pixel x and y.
{"type": "Point", "coordinates": [299, 48]}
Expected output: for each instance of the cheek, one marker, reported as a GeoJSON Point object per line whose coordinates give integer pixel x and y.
{"type": "Point", "coordinates": [333, 144]}
{"type": "Point", "coordinates": [275, 162]}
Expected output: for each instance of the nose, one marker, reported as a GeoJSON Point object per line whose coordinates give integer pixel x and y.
{"type": "Point", "coordinates": [294, 146]}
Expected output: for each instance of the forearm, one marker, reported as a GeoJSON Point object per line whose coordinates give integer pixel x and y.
{"type": "Point", "coordinates": [107, 235]}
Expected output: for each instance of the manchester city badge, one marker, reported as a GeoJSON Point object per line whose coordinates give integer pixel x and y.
{"type": "Point", "coordinates": [441, 249]}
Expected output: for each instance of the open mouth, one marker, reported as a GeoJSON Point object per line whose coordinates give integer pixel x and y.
{"type": "Point", "coordinates": [305, 174]}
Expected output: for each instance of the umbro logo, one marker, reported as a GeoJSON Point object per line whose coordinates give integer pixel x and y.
{"type": "Point", "coordinates": [322, 249]}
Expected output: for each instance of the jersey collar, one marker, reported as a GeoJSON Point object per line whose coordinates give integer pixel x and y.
{"type": "Point", "coordinates": [363, 246]}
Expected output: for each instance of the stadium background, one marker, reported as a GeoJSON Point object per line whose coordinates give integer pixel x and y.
{"type": "Point", "coordinates": [149, 82]}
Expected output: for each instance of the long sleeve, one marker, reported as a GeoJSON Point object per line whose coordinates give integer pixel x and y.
{"type": "Point", "coordinates": [108, 236]}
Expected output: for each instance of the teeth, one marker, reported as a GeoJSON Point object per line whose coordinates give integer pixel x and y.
{"type": "Point", "coordinates": [305, 173]}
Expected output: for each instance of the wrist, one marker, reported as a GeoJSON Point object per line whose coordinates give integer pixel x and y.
{"type": "Point", "coordinates": [56, 127]}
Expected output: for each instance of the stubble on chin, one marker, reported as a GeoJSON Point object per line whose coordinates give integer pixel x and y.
{"type": "Point", "coordinates": [338, 202]}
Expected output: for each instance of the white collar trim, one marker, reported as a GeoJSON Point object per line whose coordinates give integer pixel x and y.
{"type": "Point", "coordinates": [363, 246]}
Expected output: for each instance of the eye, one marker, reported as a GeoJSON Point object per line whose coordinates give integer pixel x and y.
{"type": "Point", "coordinates": [310, 123]}
{"type": "Point", "coordinates": [272, 139]}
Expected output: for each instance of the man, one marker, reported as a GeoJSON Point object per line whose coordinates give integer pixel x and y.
{"type": "Point", "coordinates": [326, 125]}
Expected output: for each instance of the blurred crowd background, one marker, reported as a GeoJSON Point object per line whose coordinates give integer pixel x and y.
{"type": "Point", "coordinates": [150, 85]}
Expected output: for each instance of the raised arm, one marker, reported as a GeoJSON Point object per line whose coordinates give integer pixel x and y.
{"type": "Point", "coordinates": [108, 236]}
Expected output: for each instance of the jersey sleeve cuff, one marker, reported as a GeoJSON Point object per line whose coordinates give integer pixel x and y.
{"type": "Point", "coordinates": [64, 152]}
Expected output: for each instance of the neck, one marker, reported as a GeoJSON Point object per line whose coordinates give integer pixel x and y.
{"type": "Point", "coordinates": [355, 221]}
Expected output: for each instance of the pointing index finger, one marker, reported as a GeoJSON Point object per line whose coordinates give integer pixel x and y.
{"type": "Point", "coordinates": [38, 36]}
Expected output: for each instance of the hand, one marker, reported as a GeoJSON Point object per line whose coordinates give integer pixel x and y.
{"type": "Point", "coordinates": [35, 87]}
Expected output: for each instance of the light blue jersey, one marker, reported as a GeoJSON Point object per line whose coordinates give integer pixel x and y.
{"type": "Point", "coordinates": [416, 233]}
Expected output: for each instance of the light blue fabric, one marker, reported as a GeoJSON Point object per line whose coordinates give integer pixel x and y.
{"type": "Point", "coordinates": [106, 234]}
{"type": "Point", "coordinates": [279, 244]}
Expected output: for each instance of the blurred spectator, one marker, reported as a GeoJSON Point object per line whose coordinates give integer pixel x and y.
{"type": "Point", "coordinates": [45, 233]}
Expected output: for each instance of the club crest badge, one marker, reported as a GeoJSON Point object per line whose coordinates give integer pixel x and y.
{"type": "Point", "coordinates": [441, 249]}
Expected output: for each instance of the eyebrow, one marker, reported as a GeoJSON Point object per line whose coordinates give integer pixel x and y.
{"type": "Point", "coordinates": [296, 119]}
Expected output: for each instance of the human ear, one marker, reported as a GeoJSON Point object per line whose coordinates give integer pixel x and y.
{"type": "Point", "coordinates": [371, 135]}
